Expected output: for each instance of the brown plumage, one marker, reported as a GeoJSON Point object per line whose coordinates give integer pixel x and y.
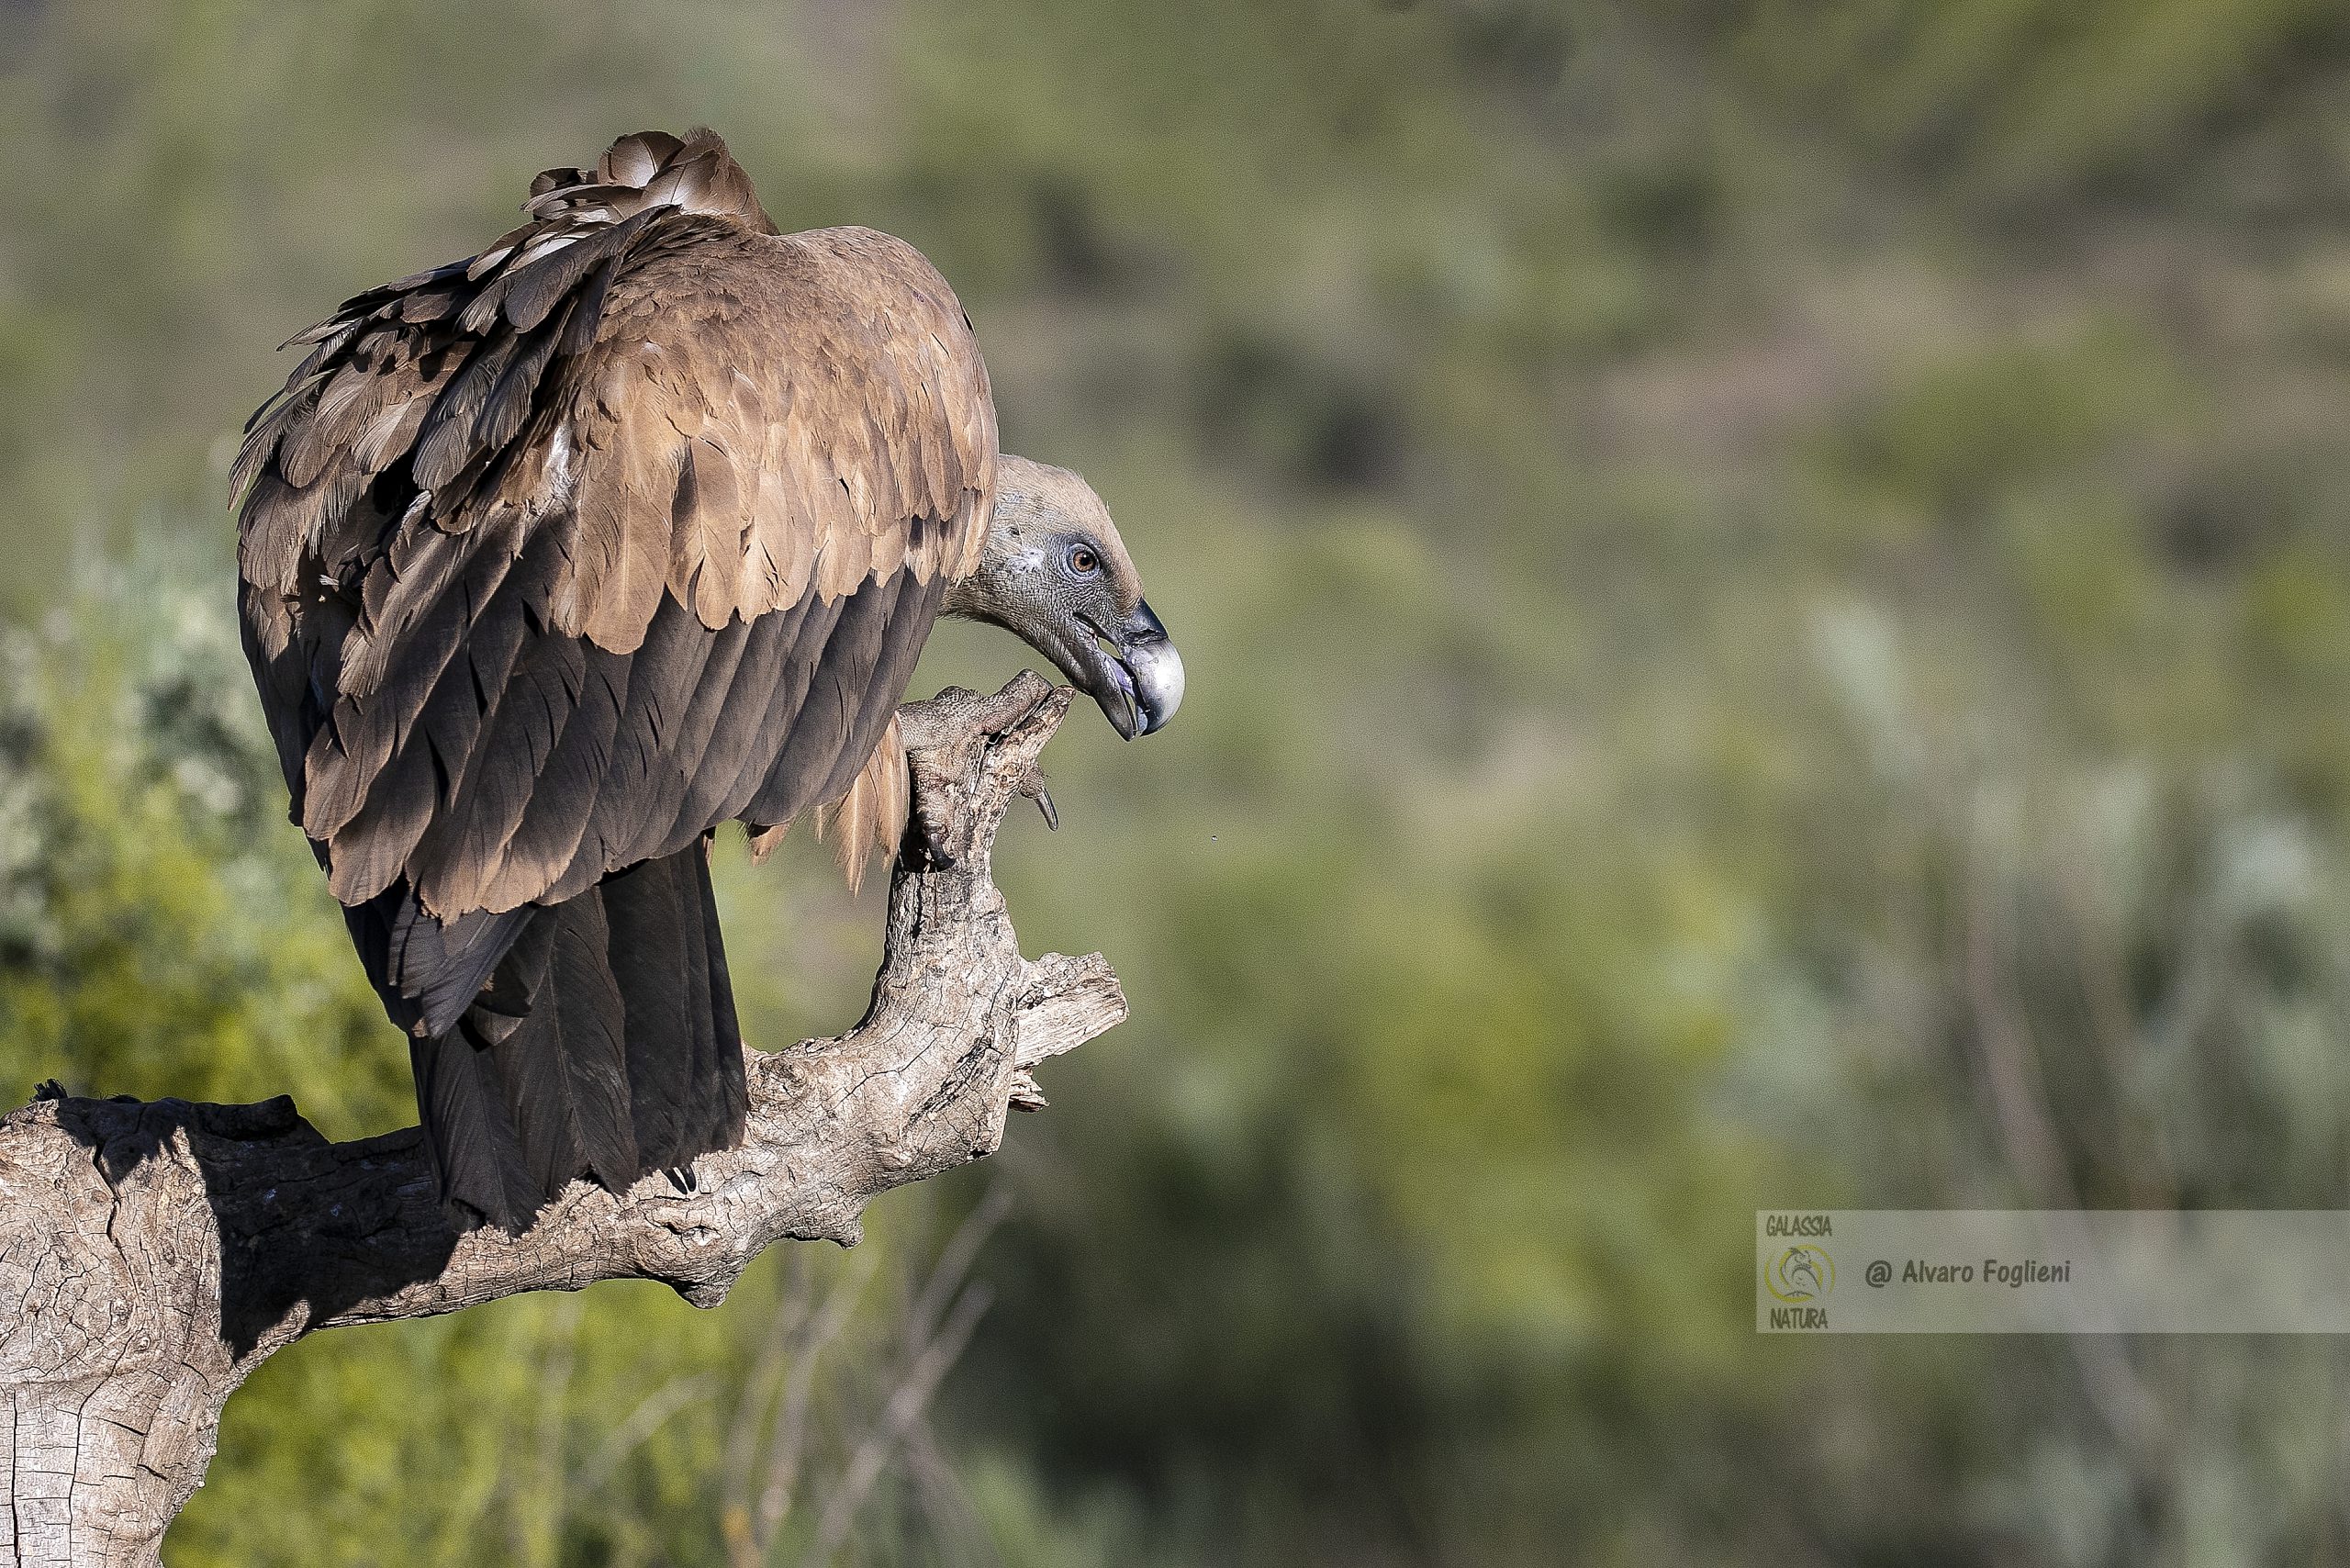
{"type": "Point", "coordinates": [653, 398]}
{"type": "Point", "coordinates": [557, 558]}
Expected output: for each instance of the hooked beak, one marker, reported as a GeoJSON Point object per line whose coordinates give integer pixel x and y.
{"type": "Point", "coordinates": [1138, 678]}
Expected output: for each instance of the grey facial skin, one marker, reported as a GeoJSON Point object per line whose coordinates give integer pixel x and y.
{"type": "Point", "coordinates": [1054, 574]}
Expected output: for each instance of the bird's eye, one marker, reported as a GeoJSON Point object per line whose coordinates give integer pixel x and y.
{"type": "Point", "coordinates": [1083, 561]}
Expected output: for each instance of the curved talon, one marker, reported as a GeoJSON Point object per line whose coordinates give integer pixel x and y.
{"type": "Point", "coordinates": [926, 846]}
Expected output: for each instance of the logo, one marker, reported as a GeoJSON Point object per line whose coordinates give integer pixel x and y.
{"type": "Point", "coordinates": [1798, 1224]}
{"type": "Point", "coordinates": [1800, 1273]}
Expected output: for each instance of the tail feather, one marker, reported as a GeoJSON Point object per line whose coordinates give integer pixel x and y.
{"type": "Point", "coordinates": [684, 1058]}
{"type": "Point", "coordinates": [649, 962]}
{"type": "Point", "coordinates": [475, 1151]}
{"type": "Point", "coordinates": [561, 1066]}
{"type": "Point", "coordinates": [729, 1088]}
{"type": "Point", "coordinates": [604, 1047]}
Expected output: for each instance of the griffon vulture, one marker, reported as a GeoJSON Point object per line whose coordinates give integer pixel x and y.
{"type": "Point", "coordinates": [555, 559]}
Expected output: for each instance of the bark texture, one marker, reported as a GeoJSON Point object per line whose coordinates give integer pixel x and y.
{"type": "Point", "coordinates": [152, 1255]}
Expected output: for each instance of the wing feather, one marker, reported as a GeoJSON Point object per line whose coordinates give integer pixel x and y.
{"type": "Point", "coordinates": [737, 739]}
{"type": "Point", "coordinates": [456, 866]}
{"type": "Point", "coordinates": [555, 557]}
{"type": "Point", "coordinates": [644, 820]}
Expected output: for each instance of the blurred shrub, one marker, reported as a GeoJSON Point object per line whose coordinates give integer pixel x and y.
{"type": "Point", "coordinates": [161, 930]}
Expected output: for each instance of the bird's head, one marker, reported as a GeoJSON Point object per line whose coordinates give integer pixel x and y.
{"type": "Point", "coordinates": [1055, 573]}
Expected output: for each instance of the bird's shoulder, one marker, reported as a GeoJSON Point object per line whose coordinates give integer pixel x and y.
{"type": "Point", "coordinates": [768, 412]}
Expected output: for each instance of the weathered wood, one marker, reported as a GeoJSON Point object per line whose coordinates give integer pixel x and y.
{"type": "Point", "coordinates": [152, 1255]}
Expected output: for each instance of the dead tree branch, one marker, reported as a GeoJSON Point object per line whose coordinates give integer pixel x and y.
{"type": "Point", "coordinates": [152, 1255]}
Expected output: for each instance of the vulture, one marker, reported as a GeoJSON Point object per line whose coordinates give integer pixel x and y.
{"type": "Point", "coordinates": [555, 559]}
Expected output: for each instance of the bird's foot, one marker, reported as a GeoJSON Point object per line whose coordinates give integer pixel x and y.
{"type": "Point", "coordinates": [927, 845]}
{"type": "Point", "coordinates": [963, 749]}
{"type": "Point", "coordinates": [1034, 789]}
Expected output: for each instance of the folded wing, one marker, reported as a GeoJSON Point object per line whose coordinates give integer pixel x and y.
{"type": "Point", "coordinates": [555, 559]}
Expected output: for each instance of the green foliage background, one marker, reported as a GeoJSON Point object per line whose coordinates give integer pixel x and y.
{"type": "Point", "coordinates": [1755, 578]}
